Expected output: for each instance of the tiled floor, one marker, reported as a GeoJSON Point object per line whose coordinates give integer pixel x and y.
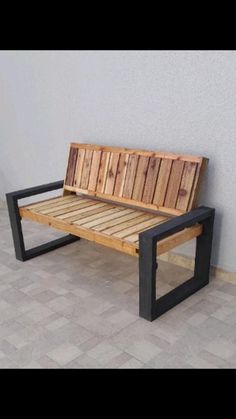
{"type": "Point", "coordinates": [77, 307]}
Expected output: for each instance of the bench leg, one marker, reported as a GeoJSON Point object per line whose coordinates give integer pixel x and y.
{"type": "Point", "coordinates": [149, 307]}
{"type": "Point", "coordinates": [18, 239]}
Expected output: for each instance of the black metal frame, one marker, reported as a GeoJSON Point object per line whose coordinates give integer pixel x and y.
{"type": "Point", "coordinates": [149, 307]}
{"type": "Point", "coordinates": [15, 220]}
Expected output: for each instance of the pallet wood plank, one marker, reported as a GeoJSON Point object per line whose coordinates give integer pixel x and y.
{"type": "Point", "coordinates": [102, 175]}
{"type": "Point", "coordinates": [130, 176]}
{"type": "Point", "coordinates": [129, 223]}
{"type": "Point", "coordinates": [162, 182]}
{"type": "Point", "coordinates": [79, 167]}
{"type": "Point", "coordinates": [86, 169]}
{"type": "Point", "coordinates": [71, 166]}
{"type": "Point", "coordinates": [107, 211]}
{"type": "Point", "coordinates": [79, 211]}
{"type": "Point", "coordinates": [151, 179]}
{"type": "Point", "coordinates": [138, 227]}
{"type": "Point", "coordinates": [91, 211]}
{"type": "Point", "coordinates": [121, 173]}
{"type": "Point", "coordinates": [108, 215]}
{"type": "Point", "coordinates": [94, 170]}
{"type": "Point", "coordinates": [133, 214]}
{"type": "Point", "coordinates": [174, 183]}
{"type": "Point", "coordinates": [111, 174]}
{"type": "Point", "coordinates": [50, 202]}
{"type": "Point", "coordinates": [67, 209]}
{"type": "Point", "coordinates": [186, 185]}
{"type": "Point", "coordinates": [140, 178]}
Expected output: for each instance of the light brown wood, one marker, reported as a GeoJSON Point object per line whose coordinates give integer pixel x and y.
{"type": "Point", "coordinates": [150, 184]}
{"type": "Point", "coordinates": [125, 244]}
{"type": "Point", "coordinates": [102, 175]}
{"type": "Point", "coordinates": [111, 174]}
{"type": "Point", "coordinates": [162, 182]}
{"type": "Point", "coordinates": [95, 169]}
{"type": "Point", "coordinates": [147, 153]}
{"type": "Point", "coordinates": [174, 183]}
{"type": "Point", "coordinates": [114, 223]}
{"type": "Point", "coordinates": [79, 167]}
{"type": "Point", "coordinates": [127, 223]}
{"type": "Point", "coordinates": [197, 183]}
{"type": "Point", "coordinates": [186, 185]}
{"type": "Point", "coordinates": [130, 176]}
{"type": "Point", "coordinates": [86, 169]}
{"type": "Point", "coordinates": [121, 174]}
{"type": "Point", "coordinates": [140, 178]}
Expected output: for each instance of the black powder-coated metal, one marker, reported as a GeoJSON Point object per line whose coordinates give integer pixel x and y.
{"type": "Point", "coordinates": [149, 307]}
{"type": "Point", "coordinates": [15, 221]}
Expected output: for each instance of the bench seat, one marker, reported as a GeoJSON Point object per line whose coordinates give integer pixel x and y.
{"type": "Point", "coordinates": [105, 222]}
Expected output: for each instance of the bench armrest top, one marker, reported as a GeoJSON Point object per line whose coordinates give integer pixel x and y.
{"type": "Point", "coordinates": [176, 224]}
{"type": "Point", "coordinates": [35, 190]}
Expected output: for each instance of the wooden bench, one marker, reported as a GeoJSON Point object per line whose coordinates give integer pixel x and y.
{"type": "Point", "coordinates": [143, 203]}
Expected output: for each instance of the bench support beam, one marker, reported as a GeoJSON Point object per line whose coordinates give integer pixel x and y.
{"type": "Point", "coordinates": [149, 307]}
{"type": "Point", "coordinates": [15, 221]}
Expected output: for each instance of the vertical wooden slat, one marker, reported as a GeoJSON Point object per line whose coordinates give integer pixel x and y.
{"type": "Point", "coordinates": [111, 174]}
{"type": "Point", "coordinates": [162, 181]}
{"type": "Point", "coordinates": [86, 169]}
{"type": "Point", "coordinates": [71, 166]}
{"type": "Point", "coordinates": [174, 183]}
{"type": "Point", "coordinates": [130, 176]}
{"type": "Point", "coordinates": [79, 166]}
{"type": "Point", "coordinates": [140, 178]}
{"type": "Point", "coordinates": [121, 173]}
{"type": "Point", "coordinates": [186, 185]}
{"type": "Point", "coordinates": [197, 183]}
{"type": "Point", "coordinates": [94, 170]}
{"type": "Point", "coordinates": [102, 175]}
{"type": "Point", "coordinates": [151, 178]}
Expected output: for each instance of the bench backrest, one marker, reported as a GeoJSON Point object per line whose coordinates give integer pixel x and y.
{"type": "Point", "coordinates": [151, 179]}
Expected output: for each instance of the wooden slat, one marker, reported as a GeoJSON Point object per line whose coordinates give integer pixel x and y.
{"type": "Point", "coordinates": [135, 220]}
{"type": "Point", "coordinates": [186, 185]}
{"type": "Point", "coordinates": [162, 182]}
{"type": "Point", "coordinates": [130, 176]}
{"type": "Point", "coordinates": [50, 202]}
{"type": "Point", "coordinates": [197, 183]}
{"type": "Point", "coordinates": [151, 179]}
{"type": "Point", "coordinates": [108, 215]}
{"type": "Point", "coordinates": [67, 209]}
{"type": "Point", "coordinates": [79, 211]}
{"type": "Point", "coordinates": [140, 152]}
{"type": "Point", "coordinates": [94, 170]}
{"type": "Point", "coordinates": [177, 239]}
{"type": "Point", "coordinates": [121, 173]}
{"type": "Point", "coordinates": [111, 174]}
{"type": "Point", "coordinates": [140, 178]}
{"type": "Point", "coordinates": [86, 169]}
{"type": "Point", "coordinates": [102, 175]}
{"type": "Point", "coordinates": [174, 183]}
{"type": "Point", "coordinates": [107, 211]}
{"type": "Point", "coordinates": [62, 205]}
{"type": "Point", "coordinates": [133, 214]}
{"type": "Point", "coordinates": [138, 227]}
{"type": "Point", "coordinates": [122, 200]}
{"type": "Point", "coordinates": [71, 166]}
{"type": "Point", "coordinates": [91, 211]}
{"type": "Point", "coordinates": [134, 238]}
{"type": "Point", "coordinates": [79, 167]}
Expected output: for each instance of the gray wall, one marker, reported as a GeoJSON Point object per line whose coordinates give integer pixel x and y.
{"type": "Point", "coordinates": [181, 101]}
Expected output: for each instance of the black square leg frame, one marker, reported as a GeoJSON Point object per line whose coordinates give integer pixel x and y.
{"type": "Point", "coordinates": [15, 220]}
{"type": "Point", "coordinates": [149, 307]}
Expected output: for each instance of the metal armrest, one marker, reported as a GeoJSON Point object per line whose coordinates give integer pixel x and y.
{"type": "Point", "coordinates": [15, 220]}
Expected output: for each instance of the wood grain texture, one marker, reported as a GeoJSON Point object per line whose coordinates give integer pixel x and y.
{"type": "Point", "coordinates": [152, 172]}
{"type": "Point", "coordinates": [140, 178]}
{"type": "Point", "coordinates": [174, 183]}
{"type": "Point", "coordinates": [162, 182]}
{"type": "Point", "coordinates": [150, 179]}
{"type": "Point", "coordinates": [130, 176]}
{"type": "Point", "coordinates": [111, 174]}
{"type": "Point", "coordinates": [102, 175]}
